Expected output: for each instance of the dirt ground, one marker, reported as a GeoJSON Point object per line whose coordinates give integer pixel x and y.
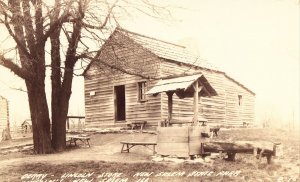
{"type": "Point", "coordinates": [104, 147]}
{"type": "Point", "coordinates": [104, 156]}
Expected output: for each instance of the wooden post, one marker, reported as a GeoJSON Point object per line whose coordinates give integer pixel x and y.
{"type": "Point", "coordinates": [196, 99]}
{"type": "Point", "coordinates": [68, 124]}
{"type": "Point", "coordinates": [170, 105]}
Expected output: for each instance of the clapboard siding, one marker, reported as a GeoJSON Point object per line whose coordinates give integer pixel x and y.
{"type": "Point", "coordinates": [101, 80]}
{"type": "Point", "coordinates": [4, 114]}
{"type": "Point", "coordinates": [237, 114]}
{"type": "Point", "coordinates": [222, 109]}
{"type": "Point", "coordinates": [213, 109]}
{"type": "Point", "coordinates": [129, 60]}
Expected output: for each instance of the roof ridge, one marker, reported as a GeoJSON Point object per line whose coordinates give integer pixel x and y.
{"type": "Point", "coordinates": [211, 66]}
{"type": "Point", "coordinates": [124, 30]}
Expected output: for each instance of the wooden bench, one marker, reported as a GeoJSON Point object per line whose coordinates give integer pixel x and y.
{"type": "Point", "coordinates": [135, 124]}
{"type": "Point", "coordinates": [75, 138]}
{"type": "Point", "coordinates": [126, 146]}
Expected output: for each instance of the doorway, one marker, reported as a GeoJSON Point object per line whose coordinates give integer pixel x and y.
{"type": "Point", "coordinates": [120, 111]}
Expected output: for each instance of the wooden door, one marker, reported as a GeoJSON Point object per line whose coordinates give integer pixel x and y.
{"type": "Point", "coordinates": [120, 111]}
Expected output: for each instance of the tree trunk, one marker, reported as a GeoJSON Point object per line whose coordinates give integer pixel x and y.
{"type": "Point", "coordinates": [59, 116]}
{"type": "Point", "coordinates": [63, 91]}
{"type": "Point", "coordinates": [40, 117]}
{"type": "Point", "coordinates": [59, 132]}
{"type": "Point", "coordinates": [59, 121]}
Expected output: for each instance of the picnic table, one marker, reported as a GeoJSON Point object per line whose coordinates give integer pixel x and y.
{"type": "Point", "coordinates": [83, 138]}
{"type": "Point", "coordinates": [134, 124]}
{"type": "Point", "coordinates": [126, 146]}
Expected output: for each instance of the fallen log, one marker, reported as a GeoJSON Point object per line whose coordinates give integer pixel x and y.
{"type": "Point", "coordinates": [258, 148]}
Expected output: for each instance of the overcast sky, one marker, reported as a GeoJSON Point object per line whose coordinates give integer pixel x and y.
{"type": "Point", "coordinates": [255, 42]}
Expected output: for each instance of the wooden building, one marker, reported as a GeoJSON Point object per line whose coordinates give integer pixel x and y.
{"type": "Point", "coordinates": [4, 114]}
{"type": "Point", "coordinates": [131, 64]}
{"type": "Point", "coordinates": [27, 126]}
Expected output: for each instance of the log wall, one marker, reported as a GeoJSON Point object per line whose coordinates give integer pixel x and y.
{"type": "Point", "coordinates": [237, 113]}
{"type": "Point", "coordinates": [124, 54]}
{"type": "Point", "coordinates": [222, 109]}
{"type": "Point", "coordinates": [212, 108]}
{"type": "Point", "coordinates": [100, 81]}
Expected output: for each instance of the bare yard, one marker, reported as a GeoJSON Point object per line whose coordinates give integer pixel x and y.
{"type": "Point", "coordinates": [104, 162]}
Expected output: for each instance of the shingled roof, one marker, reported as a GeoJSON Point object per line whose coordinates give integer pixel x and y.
{"type": "Point", "coordinates": [167, 50]}
{"type": "Point", "coordinates": [171, 51]}
{"type": "Point", "coordinates": [174, 52]}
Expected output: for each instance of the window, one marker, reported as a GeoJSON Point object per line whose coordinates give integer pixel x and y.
{"type": "Point", "coordinates": [240, 99]}
{"type": "Point", "coordinates": [142, 91]}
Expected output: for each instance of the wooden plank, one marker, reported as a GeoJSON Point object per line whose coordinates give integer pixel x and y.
{"type": "Point", "coordinates": [172, 141]}
{"type": "Point", "coordinates": [173, 131]}
{"type": "Point", "coordinates": [195, 140]}
{"type": "Point", "coordinates": [138, 142]}
{"type": "Point", "coordinates": [170, 149]}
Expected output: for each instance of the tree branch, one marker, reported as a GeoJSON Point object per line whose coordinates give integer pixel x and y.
{"type": "Point", "coordinates": [20, 43]}
{"type": "Point", "coordinates": [65, 17]}
{"type": "Point", "coordinates": [39, 28]}
{"type": "Point", "coordinates": [54, 25]}
{"type": "Point", "coordinates": [7, 63]}
{"type": "Point", "coordinates": [110, 9]}
{"type": "Point", "coordinates": [4, 8]}
{"type": "Point", "coordinates": [114, 67]}
{"type": "Point", "coordinates": [28, 24]}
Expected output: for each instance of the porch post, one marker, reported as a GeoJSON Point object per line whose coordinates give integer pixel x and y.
{"type": "Point", "coordinates": [196, 99]}
{"type": "Point", "coordinates": [170, 105]}
{"type": "Point", "coordinates": [68, 124]}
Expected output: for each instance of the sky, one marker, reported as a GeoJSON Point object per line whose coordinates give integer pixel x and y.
{"type": "Point", "coordinates": [256, 42]}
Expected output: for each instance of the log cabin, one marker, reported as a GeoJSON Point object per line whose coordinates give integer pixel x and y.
{"type": "Point", "coordinates": [4, 114]}
{"type": "Point", "coordinates": [118, 85]}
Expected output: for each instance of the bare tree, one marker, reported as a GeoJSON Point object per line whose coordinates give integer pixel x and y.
{"type": "Point", "coordinates": [73, 30]}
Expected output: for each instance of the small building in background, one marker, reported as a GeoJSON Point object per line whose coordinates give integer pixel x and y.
{"type": "Point", "coordinates": [26, 126]}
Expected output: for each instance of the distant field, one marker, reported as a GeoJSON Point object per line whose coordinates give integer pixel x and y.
{"type": "Point", "coordinates": [105, 162]}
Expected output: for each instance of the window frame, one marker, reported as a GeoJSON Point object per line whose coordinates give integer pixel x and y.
{"type": "Point", "coordinates": [141, 89]}
{"type": "Point", "coordinates": [240, 100]}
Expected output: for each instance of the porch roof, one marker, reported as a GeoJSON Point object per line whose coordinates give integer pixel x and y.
{"type": "Point", "coordinates": [182, 86]}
